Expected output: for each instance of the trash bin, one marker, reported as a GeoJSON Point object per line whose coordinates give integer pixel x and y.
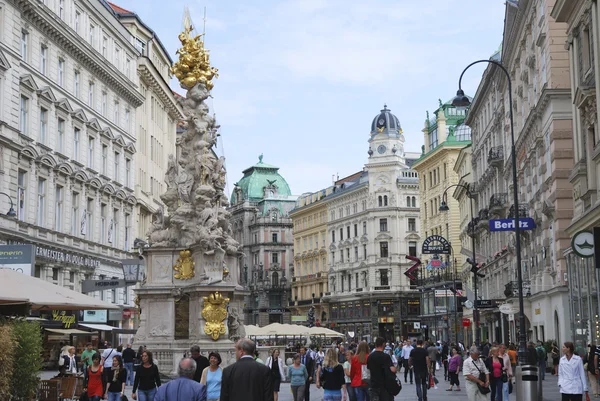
{"type": "Point", "coordinates": [527, 383]}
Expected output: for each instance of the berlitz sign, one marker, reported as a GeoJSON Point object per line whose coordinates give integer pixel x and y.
{"type": "Point", "coordinates": [525, 223]}
{"type": "Point", "coordinates": [435, 244]}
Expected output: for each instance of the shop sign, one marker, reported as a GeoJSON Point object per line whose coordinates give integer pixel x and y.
{"type": "Point", "coordinates": [525, 224]}
{"type": "Point", "coordinates": [441, 309]}
{"type": "Point", "coordinates": [443, 293]}
{"type": "Point", "coordinates": [386, 320]}
{"type": "Point", "coordinates": [115, 315]}
{"type": "Point", "coordinates": [466, 322]}
{"type": "Point", "coordinates": [583, 244]}
{"type": "Point", "coordinates": [484, 304]}
{"type": "Point", "coordinates": [95, 316]}
{"type": "Point", "coordinates": [101, 285]}
{"type": "Point", "coordinates": [435, 244]}
{"type": "Point", "coordinates": [299, 318]}
{"type": "Point", "coordinates": [17, 257]}
{"type": "Point", "coordinates": [62, 256]}
{"type": "Point", "coordinates": [126, 314]}
{"type": "Point", "coordinates": [417, 325]}
{"type": "Point", "coordinates": [61, 316]}
{"type": "Point", "coordinates": [506, 309]}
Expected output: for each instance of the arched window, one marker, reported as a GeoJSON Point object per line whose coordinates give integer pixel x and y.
{"type": "Point", "coordinates": [385, 202]}
{"type": "Point", "coordinates": [414, 201]}
{"type": "Point", "coordinates": [408, 201]}
{"type": "Point", "coordinates": [275, 279]}
{"type": "Point", "coordinates": [380, 201]}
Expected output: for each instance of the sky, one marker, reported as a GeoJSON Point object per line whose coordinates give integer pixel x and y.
{"type": "Point", "coordinates": [301, 80]}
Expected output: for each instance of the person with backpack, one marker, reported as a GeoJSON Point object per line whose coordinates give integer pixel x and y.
{"type": "Point", "coordinates": [380, 366]}
{"type": "Point", "coordinates": [359, 373]}
{"type": "Point", "coordinates": [542, 357]}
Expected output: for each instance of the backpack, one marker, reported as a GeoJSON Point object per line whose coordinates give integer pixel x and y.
{"type": "Point", "coordinates": [541, 353]}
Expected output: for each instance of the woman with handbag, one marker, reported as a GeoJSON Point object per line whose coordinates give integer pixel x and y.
{"type": "Point", "coordinates": [359, 373]}
{"type": "Point", "coordinates": [454, 365]}
{"type": "Point", "coordinates": [571, 375]}
{"type": "Point", "coordinates": [94, 382]}
{"type": "Point", "coordinates": [116, 377]}
{"type": "Point", "coordinates": [498, 375]}
{"type": "Point", "coordinates": [555, 359]}
{"type": "Point", "coordinates": [275, 363]}
{"type": "Point", "coordinates": [477, 376]}
{"type": "Point", "coordinates": [330, 376]}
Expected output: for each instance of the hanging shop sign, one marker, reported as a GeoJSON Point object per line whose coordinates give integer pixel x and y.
{"type": "Point", "coordinates": [466, 322]}
{"type": "Point", "coordinates": [435, 244]}
{"type": "Point", "coordinates": [101, 285]}
{"type": "Point", "coordinates": [17, 257]}
{"type": "Point", "coordinates": [583, 244]}
{"type": "Point", "coordinates": [525, 223]}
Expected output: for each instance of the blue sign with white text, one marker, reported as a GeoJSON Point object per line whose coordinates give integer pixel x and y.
{"type": "Point", "coordinates": [525, 223]}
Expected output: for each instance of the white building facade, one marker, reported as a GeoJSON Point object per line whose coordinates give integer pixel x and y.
{"type": "Point", "coordinates": [68, 99]}
{"type": "Point", "coordinates": [373, 224]}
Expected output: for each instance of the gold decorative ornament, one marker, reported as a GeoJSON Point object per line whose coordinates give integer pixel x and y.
{"type": "Point", "coordinates": [194, 62]}
{"type": "Point", "coordinates": [215, 312]}
{"type": "Point", "coordinates": [184, 266]}
{"type": "Point", "coordinates": [225, 272]}
{"type": "Point", "coordinates": [380, 129]}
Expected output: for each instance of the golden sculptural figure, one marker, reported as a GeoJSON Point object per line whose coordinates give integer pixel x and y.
{"type": "Point", "coordinates": [215, 312]}
{"type": "Point", "coordinates": [185, 266]}
{"type": "Point", "coordinates": [194, 63]}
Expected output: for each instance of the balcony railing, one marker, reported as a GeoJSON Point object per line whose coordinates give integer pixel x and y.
{"type": "Point", "coordinates": [496, 156]}
{"type": "Point", "coordinates": [498, 202]}
{"type": "Point", "coordinates": [523, 210]}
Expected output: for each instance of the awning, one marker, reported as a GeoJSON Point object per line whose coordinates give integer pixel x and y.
{"type": "Point", "coordinates": [99, 327]}
{"type": "Point", "coordinates": [67, 331]}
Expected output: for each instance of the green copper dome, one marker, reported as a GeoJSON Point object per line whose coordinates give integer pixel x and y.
{"type": "Point", "coordinates": [260, 180]}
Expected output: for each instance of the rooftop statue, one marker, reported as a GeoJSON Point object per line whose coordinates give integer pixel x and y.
{"type": "Point", "coordinates": [194, 62]}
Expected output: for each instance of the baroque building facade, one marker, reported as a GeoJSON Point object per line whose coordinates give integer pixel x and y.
{"type": "Point", "coordinates": [260, 218]}
{"type": "Point", "coordinates": [444, 137]}
{"type": "Point", "coordinates": [156, 119]}
{"type": "Point", "coordinates": [541, 106]}
{"type": "Point", "coordinates": [68, 100]}
{"type": "Point", "coordinates": [582, 21]}
{"type": "Point", "coordinates": [373, 224]}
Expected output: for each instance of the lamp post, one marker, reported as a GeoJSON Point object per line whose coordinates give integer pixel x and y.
{"type": "Point", "coordinates": [444, 208]}
{"type": "Point", "coordinates": [462, 101]}
{"type": "Point", "coordinates": [11, 212]}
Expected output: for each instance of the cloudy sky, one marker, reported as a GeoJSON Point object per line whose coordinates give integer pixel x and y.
{"type": "Point", "coordinates": [301, 80]}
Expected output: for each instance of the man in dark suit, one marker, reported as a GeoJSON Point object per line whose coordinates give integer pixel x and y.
{"type": "Point", "coordinates": [307, 361]}
{"type": "Point", "coordinates": [246, 380]}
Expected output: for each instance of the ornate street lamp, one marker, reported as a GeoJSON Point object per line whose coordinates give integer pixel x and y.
{"type": "Point", "coordinates": [11, 212]}
{"type": "Point", "coordinates": [462, 101]}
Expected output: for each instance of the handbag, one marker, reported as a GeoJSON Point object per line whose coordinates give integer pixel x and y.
{"type": "Point", "coordinates": [392, 383]}
{"type": "Point", "coordinates": [510, 387]}
{"type": "Point", "coordinates": [365, 374]}
{"type": "Point", "coordinates": [504, 376]}
{"type": "Point", "coordinates": [482, 389]}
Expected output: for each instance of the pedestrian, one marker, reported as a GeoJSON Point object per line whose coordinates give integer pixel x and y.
{"type": "Point", "coordinates": [184, 388]}
{"type": "Point", "coordinates": [93, 383]}
{"type": "Point", "coordinates": [508, 368]}
{"type": "Point", "coordinates": [347, 375]}
{"type": "Point", "coordinates": [115, 379]}
{"type": "Point", "coordinates": [556, 359]}
{"type": "Point", "coordinates": [86, 357]}
{"type": "Point", "coordinates": [532, 358]}
{"type": "Point", "coordinates": [512, 354]}
{"type": "Point", "coordinates": [212, 377]}
{"type": "Point", "coordinates": [432, 352]}
{"type": "Point", "coordinates": [246, 380]}
{"type": "Point", "coordinates": [128, 360]}
{"type": "Point", "coordinates": [454, 365]}
{"type": "Point", "coordinates": [542, 357]}
{"type": "Point", "coordinates": [341, 354]}
{"type": "Point", "coordinates": [147, 379]}
{"type": "Point", "coordinates": [495, 365]}
{"type": "Point", "coordinates": [406, 350]}
{"type": "Point", "coordinates": [377, 364]}
{"type": "Point", "coordinates": [444, 360]}
{"type": "Point", "coordinates": [201, 362]}
{"type": "Point", "coordinates": [420, 363]}
{"type": "Point", "coordinates": [70, 361]}
{"type": "Point", "coordinates": [307, 361]}
{"type": "Point", "coordinates": [275, 364]}
{"type": "Point", "coordinates": [572, 382]}
{"type": "Point", "coordinates": [298, 377]}
{"type": "Point", "coordinates": [320, 356]}
{"type": "Point", "coordinates": [589, 363]}
{"type": "Point", "coordinates": [331, 377]}
{"type": "Point", "coordinates": [107, 355]}
{"type": "Point", "coordinates": [475, 373]}
{"type": "Point", "coordinates": [359, 372]}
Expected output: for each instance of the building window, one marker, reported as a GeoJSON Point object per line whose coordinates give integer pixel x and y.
{"type": "Point", "coordinates": [412, 224]}
{"type": "Point", "coordinates": [356, 230]}
{"type": "Point", "coordinates": [385, 200]}
{"type": "Point", "coordinates": [128, 173]}
{"type": "Point", "coordinates": [92, 35]}
{"type": "Point", "coordinates": [365, 252]}
{"type": "Point", "coordinates": [117, 157]}
{"type": "Point", "coordinates": [127, 230]}
{"type": "Point", "coordinates": [342, 256]}
{"type": "Point", "coordinates": [43, 59]}
{"type": "Point", "coordinates": [274, 257]}
{"type": "Point", "coordinates": [24, 115]}
{"type": "Point", "coordinates": [105, 46]}
{"type": "Point", "coordinates": [383, 225]}
{"type": "Point", "coordinates": [408, 201]}
{"type": "Point", "coordinates": [43, 125]}
{"type": "Point", "coordinates": [356, 254]}
{"type": "Point", "coordinates": [90, 152]}
{"type": "Point", "coordinates": [103, 227]}
{"type": "Point", "coordinates": [127, 120]}
{"type": "Point", "coordinates": [412, 248]}
{"type": "Point", "coordinates": [24, 45]}
{"type": "Point", "coordinates": [274, 237]}
{"type": "Point", "coordinates": [103, 104]}
{"type": "Point", "coordinates": [383, 276]}
{"type": "Point", "coordinates": [76, 139]}
{"type": "Point", "coordinates": [61, 71]}
{"type": "Point", "coordinates": [348, 232]}
{"type": "Point", "coordinates": [76, 84]}
{"type": "Point", "coordinates": [61, 134]}
{"type": "Point", "coordinates": [341, 234]}
{"type": "Point", "coordinates": [90, 219]}
{"type": "Point", "coordinates": [91, 95]}
{"type": "Point", "coordinates": [116, 114]}
{"type": "Point", "coordinates": [104, 159]}
{"type": "Point", "coordinates": [58, 216]}
{"type": "Point", "coordinates": [21, 194]}
{"type": "Point", "coordinates": [380, 199]}
{"type": "Point", "coordinates": [61, 9]}
{"type": "Point", "coordinates": [364, 228]}
{"type": "Point", "coordinates": [41, 202]}
{"type": "Point", "coordinates": [332, 235]}
{"type": "Point", "coordinates": [74, 213]}
{"type": "Point", "coordinates": [140, 45]}
{"type": "Point", "coordinates": [383, 249]}
{"type": "Point", "coordinates": [77, 19]}
{"type": "Point", "coordinates": [115, 228]}
{"type": "Point", "coordinates": [414, 201]}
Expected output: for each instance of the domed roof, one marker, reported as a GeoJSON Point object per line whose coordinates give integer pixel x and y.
{"type": "Point", "coordinates": [256, 178]}
{"type": "Point", "coordinates": [384, 122]}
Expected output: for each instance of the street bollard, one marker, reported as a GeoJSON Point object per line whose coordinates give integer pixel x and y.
{"type": "Point", "coordinates": [527, 383]}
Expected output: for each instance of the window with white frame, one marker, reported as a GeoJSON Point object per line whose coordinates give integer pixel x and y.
{"type": "Point", "coordinates": [128, 67]}
{"type": "Point", "coordinates": [21, 194]}
{"type": "Point", "coordinates": [24, 45]}
{"type": "Point", "coordinates": [43, 125]}
{"type": "Point", "coordinates": [104, 159]}
{"type": "Point", "coordinates": [89, 219]}
{"type": "Point", "coordinates": [24, 115]}
{"type": "Point", "coordinates": [76, 77]}
{"type": "Point", "coordinates": [104, 46]}
{"type": "Point", "coordinates": [117, 161]}
{"type": "Point", "coordinates": [61, 72]}
{"type": "Point", "coordinates": [103, 227]}
{"type": "Point", "coordinates": [118, 57]}
{"type": "Point", "coordinates": [115, 228]}
{"type": "Point", "coordinates": [127, 230]}
{"type": "Point", "coordinates": [91, 144]}
{"type": "Point", "coordinates": [91, 95]}
{"type": "Point", "coordinates": [77, 20]}
{"type": "Point", "coordinates": [74, 214]}
{"type": "Point", "coordinates": [92, 34]}
{"type": "Point", "coordinates": [412, 224]}
{"type": "Point", "coordinates": [58, 209]}
{"type": "Point", "coordinates": [128, 173]}
{"type": "Point", "coordinates": [60, 140]}
{"type": "Point", "coordinates": [61, 9]}
{"type": "Point", "coordinates": [43, 59]}
{"type": "Point", "coordinates": [103, 109]}
{"type": "Point", "coordinates": [76, 143]}
{"type": "Point", "coordinates": [116, 113]}
{"type": "Point", "coordinates": [127, 120]}
{"type": "Point", "coordinates": [41, 202]}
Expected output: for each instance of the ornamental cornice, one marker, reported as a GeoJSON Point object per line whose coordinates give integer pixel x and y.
{"type": "Point", "coordinates": [149, 75]}
{"type": "Point", "coordinates": [50, 26]}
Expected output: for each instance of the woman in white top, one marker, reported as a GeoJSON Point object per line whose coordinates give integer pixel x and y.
{"type": "Point", "coordinates": [277, 373]}
{"type": "Point", "coordinates": [571, 375]}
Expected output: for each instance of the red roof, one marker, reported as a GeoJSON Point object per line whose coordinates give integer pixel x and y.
{"type": "Point", "coordinates": [118, 9]}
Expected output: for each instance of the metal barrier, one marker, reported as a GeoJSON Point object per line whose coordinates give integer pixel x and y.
{"type": "Point", "coordinates": [527, 383]}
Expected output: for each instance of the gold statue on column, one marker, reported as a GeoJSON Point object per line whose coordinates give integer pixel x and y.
{"type": "Point", "coordinates": [215, 312]}
{"type": "Point", "coordinates": [184, 266]}
{"type": "Point", "coordinates": [194, 62]}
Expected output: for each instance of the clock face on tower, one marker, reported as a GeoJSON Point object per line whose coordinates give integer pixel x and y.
{"type": "Point", "coordinates": [381, 149]}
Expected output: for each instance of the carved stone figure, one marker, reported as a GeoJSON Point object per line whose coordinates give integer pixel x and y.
{"type": "Point", "coordinates": [236, 327]}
